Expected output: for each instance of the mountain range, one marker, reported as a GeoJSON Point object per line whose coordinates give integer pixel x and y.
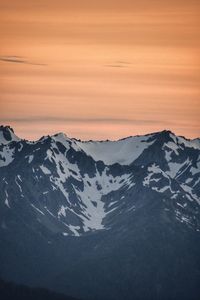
{"type": "Point", "coordinates": [101, 219]}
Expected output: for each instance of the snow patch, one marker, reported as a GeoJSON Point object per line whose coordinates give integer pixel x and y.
{"type": "Point", "coordinates": [6, 156]}
{"type": "Point", "coordinates": [37, 209]}
{"type": "Point", "coordinates": [123, 151]}
{"type": "Point", "coordinates": [62, 211]}
{"type": "Point", "coordinates": [30, 158]}
{"type": "Point", "coordinates": [45, 170]}
{"type": "Point", "coordinates": [44, 193]}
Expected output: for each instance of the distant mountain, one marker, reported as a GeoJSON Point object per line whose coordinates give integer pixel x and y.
{"type": "Point", "coordinates": [102, 219]}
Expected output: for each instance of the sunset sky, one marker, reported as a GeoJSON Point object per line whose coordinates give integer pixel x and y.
{"type": "Point", "coordinates": [100, 69]}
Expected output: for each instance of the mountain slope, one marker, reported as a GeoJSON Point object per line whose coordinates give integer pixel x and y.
{"type": "Point", "coordinates": [10, 291]}
{"type": "Point", "coordinates": [116, 219]}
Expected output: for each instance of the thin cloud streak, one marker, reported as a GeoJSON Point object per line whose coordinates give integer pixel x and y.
{"type": "Point", "coordinates": [119, 64]}
{"type": "Point", "coordinates": [40, 119]}
{"type": "Point", "coordinates": [115, 66]}
{"type": "Point", "coordinates": [19, 60]}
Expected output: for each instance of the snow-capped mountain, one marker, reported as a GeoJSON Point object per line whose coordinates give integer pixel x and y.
{"type": "Point", "coordinates": [61, 191]}
{"type": "Point", "coordinates": [77, 187]}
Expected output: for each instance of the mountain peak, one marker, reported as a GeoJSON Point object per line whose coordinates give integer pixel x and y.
{"type": "Point", "coordinates": [167, 132]}
{"type": "Point", "coordinates": [166, 135]}
{"type": "Point", "coordinates": [6, 128]}
{"type": "Point", "coordinates": [7, 135]}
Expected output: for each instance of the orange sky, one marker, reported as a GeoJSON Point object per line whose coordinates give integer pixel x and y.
{"type": "Point", "coordinates": [100, 69]}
